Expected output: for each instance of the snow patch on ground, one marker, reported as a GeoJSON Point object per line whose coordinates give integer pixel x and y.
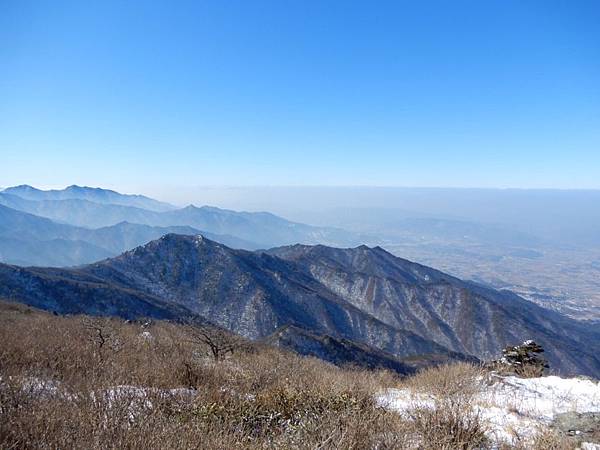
{"type": "Point", "coordinates": [590, 446]}
{"type": "Point", "coordinates": [513, 408]}
{"type": "Point", "coordinates": [146, 335]}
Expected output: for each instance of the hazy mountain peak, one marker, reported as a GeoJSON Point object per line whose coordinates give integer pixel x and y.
{"type": "Point", "coordinates": [204, 208]}
{"type": "Point", "coordinates": [78, 190]}
{"type": "Point", "coordinates": [93, 194]}
{"type": "Point", "coordinates": [21, 187]}
{"type": "Point", "coordinates": [75, 187]}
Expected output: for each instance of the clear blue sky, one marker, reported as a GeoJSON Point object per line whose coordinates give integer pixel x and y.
{"type": "Point", "coordinates": [420, 93]}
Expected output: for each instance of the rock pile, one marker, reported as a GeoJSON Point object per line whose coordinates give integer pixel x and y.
{"type": "Point", "coordinates": [523, 360]}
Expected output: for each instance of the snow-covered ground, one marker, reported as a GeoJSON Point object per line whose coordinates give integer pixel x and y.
{"type": "Point", "coordinates": [514, 409]}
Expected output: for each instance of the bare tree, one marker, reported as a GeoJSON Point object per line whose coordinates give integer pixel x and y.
{"type": "Point", "coordinates": [101, 336]}
{"type": "Point", "coordinates": [219, 342]}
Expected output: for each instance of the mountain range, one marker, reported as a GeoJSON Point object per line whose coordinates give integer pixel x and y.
{"type": "Point", "coordinates": [333, 303]}
{"type": "Point", "coordinates": [312, 289]}
{"type": "Point", "coordinates": [26, 239]}
{"type": "Point", "coordinates": [79, 225]}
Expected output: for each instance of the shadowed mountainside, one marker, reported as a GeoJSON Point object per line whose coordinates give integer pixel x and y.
{"type": "Point", "coordinates": [362, 295]}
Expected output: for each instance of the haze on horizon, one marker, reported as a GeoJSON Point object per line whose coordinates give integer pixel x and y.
{"type": "Point", "coordinates": [154, 97]}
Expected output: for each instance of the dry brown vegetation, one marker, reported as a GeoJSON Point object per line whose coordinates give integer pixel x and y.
{"type": "Point", "coordinates": [552, 440]}
{"type": "Point", "coordinates": [451, 423]}
{"type": "Point", "coordinates": [82, 382]}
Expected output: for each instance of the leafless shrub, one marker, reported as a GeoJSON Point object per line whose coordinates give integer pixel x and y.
{"type": "Point", "coordinates": [449, 422]}
{"type": "Point", "coordinates": [458, 382]}
{"type": "Point", "coordinates": [448, 427]}
{"type": "Point", "coordinates": [550, 440]}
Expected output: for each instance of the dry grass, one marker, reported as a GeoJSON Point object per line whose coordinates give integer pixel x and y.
{"type": "Point", "coordinates": [81, 382]}
{"type": "Point", "coordinates": [450, 422]}
{"type": "Point", "coordinates": [456, 382]}
{"type": "Point", "coordinates": [547, 439]}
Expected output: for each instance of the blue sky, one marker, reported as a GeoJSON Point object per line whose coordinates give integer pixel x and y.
{"type": "Point", "coordinates": [175, 93]}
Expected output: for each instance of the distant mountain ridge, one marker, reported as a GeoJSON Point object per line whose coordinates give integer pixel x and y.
{"type": "Point", "coordinates": [107, 211]}
{"type": "Point", "coordinates": [29, 240]}
{"type": "Point", "coordinates": [262, 228]}
{"type": "Point", "coordinates": [338, 302]}
{"type": "Point", "coordinates": [97, 195]}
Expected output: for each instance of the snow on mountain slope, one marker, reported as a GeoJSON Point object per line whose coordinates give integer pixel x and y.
{"type": "Point", "coordinates": [513, 409]}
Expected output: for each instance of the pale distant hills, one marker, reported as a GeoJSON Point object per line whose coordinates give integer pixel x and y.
{"type": "Point", "coordinates": [96, 195]}
{"type": "Point", "coordinates": [79, 225]}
